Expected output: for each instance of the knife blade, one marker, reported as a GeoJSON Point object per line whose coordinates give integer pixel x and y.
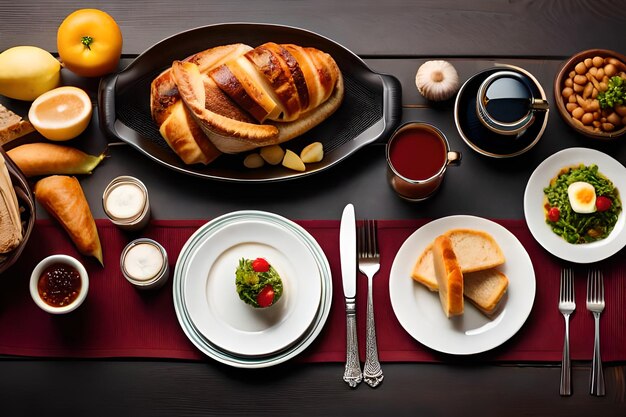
{"type": "Point", "coordinates": [347, 248]}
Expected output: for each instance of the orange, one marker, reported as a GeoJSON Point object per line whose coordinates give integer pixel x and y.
{"type": "Point", "coordinates": [61, 114]}
{"type": "Point", "coordinates": [89, 43]}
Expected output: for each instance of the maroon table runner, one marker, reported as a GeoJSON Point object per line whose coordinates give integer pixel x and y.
{"type": "Point", "coordinates": [117, 320]}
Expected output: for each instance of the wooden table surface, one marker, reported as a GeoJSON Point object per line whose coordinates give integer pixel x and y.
{"type": "Point", "coordinates": [393, 37]}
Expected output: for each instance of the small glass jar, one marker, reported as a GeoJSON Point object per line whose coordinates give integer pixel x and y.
{"type": "Point", "coordinates": [126, 203]}
{"type": "Point", "coordinates": [144, 264]}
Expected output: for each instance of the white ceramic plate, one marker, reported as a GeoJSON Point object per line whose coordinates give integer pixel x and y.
{"type": "Point", "coordinates": [419, 310]}
{"type": "Point", "coordinates": [535, 216]}
{"type": "Point", "coordinates": [213, 305]}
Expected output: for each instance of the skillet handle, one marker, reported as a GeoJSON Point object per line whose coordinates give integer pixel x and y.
{"type": "Point", "coordinates": [392, 106]}
{"type": "Point", "coordinates": [106, 105]}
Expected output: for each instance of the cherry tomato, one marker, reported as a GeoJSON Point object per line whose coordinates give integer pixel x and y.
{"type": "Point", "coordinates": [260, 265]}
{"type": "Point", "coordinates": [266, 297]}
{"type": "Point", "coordinates": [89, 43]}
{"type": "Point", "coordinates": [603, 203]}
{"type": "Point", "coordinates": [554, 214]}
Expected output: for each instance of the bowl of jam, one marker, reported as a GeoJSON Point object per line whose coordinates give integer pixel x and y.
{"type": "Point", "coordinates": [59, 284]}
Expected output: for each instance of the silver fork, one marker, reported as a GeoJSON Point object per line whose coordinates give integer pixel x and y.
{"type": "Point", "coordinates": [369, 264]}
{"type": "Point", "coordinates": [567, 305]}
{"type": "Point", "coordinates": [595, 304]}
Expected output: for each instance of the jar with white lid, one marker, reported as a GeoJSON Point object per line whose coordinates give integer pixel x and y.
{"type": "Point", "coordinates": [144, 264]}
{"type": "Point", "coordinates": [126, 203]}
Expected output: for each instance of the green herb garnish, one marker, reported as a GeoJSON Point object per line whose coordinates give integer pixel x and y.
{"type": "Point", "coordinates": [581, 227]}
{"type": "Point", "coordinates": [615, 95]}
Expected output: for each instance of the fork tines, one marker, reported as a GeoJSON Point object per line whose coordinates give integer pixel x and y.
{"type": "Point", "coordinates": [368, 239]}
{"type": "Point", "coordinates": [566, 290]}
{"type": "Point", "coordinates": [595, 286]}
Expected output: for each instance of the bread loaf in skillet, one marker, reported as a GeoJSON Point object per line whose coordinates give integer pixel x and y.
{"type": "Point", "coordinates": [238, 98]}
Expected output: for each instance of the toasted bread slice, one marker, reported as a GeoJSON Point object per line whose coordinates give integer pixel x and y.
{"type": "Point", "coordinates": [476, 250]}
{"type": "Point", "coordinates": [12, 126]}
{"type": "Point", "coordinates": [424, 269]}
{"type": "Point", "coordinates": [228, 135]}
{"type": "Point", "coordinates": [449, 276]}
{"type": "Point", "coordinates": [182, 133]}
{"type": "Point", "coordinates": [485, 289]}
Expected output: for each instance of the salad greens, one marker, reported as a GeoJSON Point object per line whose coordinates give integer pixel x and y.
{"type": "Point", "coordinates": [251, 283]}
{"type": "Point", "coordinates": [576, 227]}
{"type": "Point", "coordinates": [615, 94]}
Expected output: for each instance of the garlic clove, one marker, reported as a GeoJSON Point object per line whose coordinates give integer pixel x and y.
{"type": "Point", "coordinates": [437, 80]}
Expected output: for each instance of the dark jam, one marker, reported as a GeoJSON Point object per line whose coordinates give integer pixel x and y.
{"type": "Point", "coordinates": [59, 285]}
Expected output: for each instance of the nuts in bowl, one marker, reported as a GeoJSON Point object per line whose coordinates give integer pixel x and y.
{"type": "Point", "coordinates": [590, 93]}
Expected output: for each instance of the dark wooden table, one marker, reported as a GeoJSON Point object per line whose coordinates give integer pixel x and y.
{"type": "Point", "coordinates": [393, 37]}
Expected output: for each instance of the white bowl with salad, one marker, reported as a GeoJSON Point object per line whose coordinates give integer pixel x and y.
{"type": "Point", "coordinates": [583, 229]}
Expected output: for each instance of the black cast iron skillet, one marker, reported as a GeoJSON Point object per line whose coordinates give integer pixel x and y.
{"type": "Point", "coordinates": [370, 111]}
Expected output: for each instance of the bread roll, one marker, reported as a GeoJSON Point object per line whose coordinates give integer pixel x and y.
{"type": "Point", "coordinates": [449, 276]}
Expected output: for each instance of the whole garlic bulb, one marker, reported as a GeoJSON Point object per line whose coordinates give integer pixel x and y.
{"type": "Point", "coordinates": [437, 80]}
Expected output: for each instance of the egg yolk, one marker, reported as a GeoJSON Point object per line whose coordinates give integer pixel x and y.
{"type": "Point", "coordinates": [584, 195]}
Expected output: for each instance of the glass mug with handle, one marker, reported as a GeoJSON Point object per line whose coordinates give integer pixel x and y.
{"type": "Point", "coordinates": [418, 155]}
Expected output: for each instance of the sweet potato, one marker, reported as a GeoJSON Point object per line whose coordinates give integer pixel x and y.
{"type": "Point", "coordinates": [63, 198]}
{"type": "Point", "coordinates": [36, 159]}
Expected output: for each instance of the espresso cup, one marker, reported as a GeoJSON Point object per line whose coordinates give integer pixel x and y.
{"type": "Point", "coordinates": [418, 155]}
{"type": "Point", "coordinates": [505, 103]}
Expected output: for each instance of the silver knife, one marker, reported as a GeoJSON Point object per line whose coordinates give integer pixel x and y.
{"type": "Point", "coordinates": [347, 250]}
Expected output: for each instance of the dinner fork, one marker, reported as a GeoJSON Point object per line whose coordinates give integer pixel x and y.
{"type": "Point", "coordinates": [369, 264]}
{"type": "Point", "coordinates": [567, 305]}
{"type": "Point", "coordinates": [595, 304]}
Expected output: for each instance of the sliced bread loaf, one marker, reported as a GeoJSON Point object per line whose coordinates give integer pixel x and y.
{"type": "Point", "coordinates": [449, 276]}
{"type": "Point", "coordinates": [475, 250]}
{"type": "Point", "coordinates": [485, 287]}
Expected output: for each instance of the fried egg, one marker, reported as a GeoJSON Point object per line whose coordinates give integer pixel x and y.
{"type": "Point", "coordinates": [582, 197]}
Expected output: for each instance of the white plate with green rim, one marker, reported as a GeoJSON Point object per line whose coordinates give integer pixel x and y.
{"type": "Point", "coordinates": [222, 327]}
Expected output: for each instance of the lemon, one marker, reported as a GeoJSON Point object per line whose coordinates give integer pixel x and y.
{"type": "Point", "coordinates": [61, 114]}
{"type": "Point", "coordinates": [27, 72]}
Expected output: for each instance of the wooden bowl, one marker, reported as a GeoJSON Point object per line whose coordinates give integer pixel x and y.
{"type": "Point", "coordinates": [563, 74]}
{"type": "Point", "coordinates": [26, 201]}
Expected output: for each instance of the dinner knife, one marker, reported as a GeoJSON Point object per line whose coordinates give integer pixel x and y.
{"type": "Point", "coordinates": [347, 248]}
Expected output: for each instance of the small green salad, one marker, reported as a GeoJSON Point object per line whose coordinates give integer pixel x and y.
{"type": "Point", "coordinates": [581, 204]}
{"type": "Point", "coordinates": [258, 283]}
